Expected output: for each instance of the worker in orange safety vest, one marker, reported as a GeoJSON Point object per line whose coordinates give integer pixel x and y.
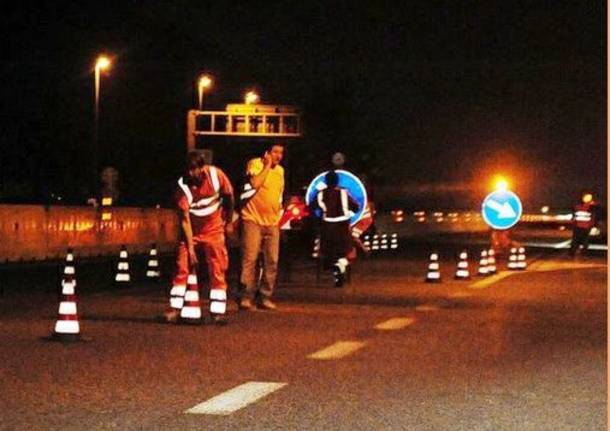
{"type": "Point", "coordinates": [204, 198]}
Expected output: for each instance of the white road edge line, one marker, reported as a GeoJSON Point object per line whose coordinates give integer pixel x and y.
{"type": "Point", "coordinates": [338, 350]}
{"type": "Point", "coordinates": [395, 323]}
{"type": "Point", "coordinates": [235, 399]}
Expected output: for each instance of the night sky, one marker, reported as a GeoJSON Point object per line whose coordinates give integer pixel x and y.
{"type": "Point", "coordinates": [427, 98]}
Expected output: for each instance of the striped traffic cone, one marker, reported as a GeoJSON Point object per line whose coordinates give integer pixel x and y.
{"type": "Point", "coordinates": [521, 261]}
{"type": "Point", "coordinates": [394, 241]}
{"type": "Point", "coordinates": [122, 275]}
{"type": "Point", "coordinates": [512, 259]}
{"type": "Point", "coordinates": [152, 271]}
{"type": "Point", "coordinates": [483, 264]}
{"type": "Point", "coordinates": [67, 327]}
{"type": "Point", "coordinates": [462, 272]}
{"type": "Point", "coordinates": [491, 262]}
{"type": "Point", "coordinates": [315, 252]}
{"type": "Point", "coordinates": [384, 241]}
{"type": "Point", "coordinates": [191, 310]}
{"type": "Point", "coordinates": [433, 275]}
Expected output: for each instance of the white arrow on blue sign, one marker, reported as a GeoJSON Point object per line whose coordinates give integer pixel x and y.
{"type": "Point", "coordinates": [502, 209]}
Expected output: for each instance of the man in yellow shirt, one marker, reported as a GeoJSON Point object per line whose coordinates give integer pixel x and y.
{"type": "Point", "coordinates": [260, 226]}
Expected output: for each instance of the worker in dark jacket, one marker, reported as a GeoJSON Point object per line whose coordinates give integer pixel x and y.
{"type": "Point", "coordinates": [337, 208]}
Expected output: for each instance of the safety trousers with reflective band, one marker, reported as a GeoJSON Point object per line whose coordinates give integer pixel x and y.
{"type": "Point", "coordinates": [217, 261]}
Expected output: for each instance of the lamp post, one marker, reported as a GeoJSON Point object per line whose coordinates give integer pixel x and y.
{"type": "Point", "coordinates": [204, 82]}
{"type": "Point", "coordinates": [102, 63]}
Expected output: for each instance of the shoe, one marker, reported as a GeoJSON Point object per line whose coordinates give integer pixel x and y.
{"type": "Point", "coordinates": [246, 304]}
{"type": "Point", "coordinates": [268, 304]}
{"type": "Point", "coordinates": [171, 316]}
{"type": "Point", "coordinates": [219, 319]}
{"type": "Point", "coordinates": [338, 276]}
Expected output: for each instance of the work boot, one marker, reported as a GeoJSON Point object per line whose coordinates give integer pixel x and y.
{"type": "Point", "coordinates": [267, 304]}
{"type": "Point", "coordinates": [246, 304]}
{"type": "Point", "coordinates": [219, 319]}
{"type": "Point", "coordinates": [338, 276]}
{"type": "Point", "coordinates": [171, 316]}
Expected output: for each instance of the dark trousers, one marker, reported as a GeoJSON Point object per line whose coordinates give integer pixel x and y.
{"type": "Point", "coordinates": [580, 236]}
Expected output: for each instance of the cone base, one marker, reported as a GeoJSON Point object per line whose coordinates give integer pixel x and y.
{"type": "Point", "coordinates": [66, 338]}
{"type": "Point", "coordinates": [433, 280]}
{"type": "Point", "coordinates": [187, 321]}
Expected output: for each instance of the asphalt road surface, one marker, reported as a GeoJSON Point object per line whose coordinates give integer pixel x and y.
{"type": "Point", "coordinates": [516, 351]}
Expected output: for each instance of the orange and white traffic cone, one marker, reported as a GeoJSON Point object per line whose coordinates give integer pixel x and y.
{"type": "Point", "coordinates": [512, 259]}
{"type": "Point", "coordinates": [152, 271]}
{"type": "Point", "coordinates": [462, 272]}
{"type": "Point", "coordinates": [521, 260]}
{"type": "Point", "coordinates": [122, 275]}
{"type": "Point", "coordinates": [483, 264]}
{"type": "Point", "coordinates": [67, 327]}
{"type": "Point", "coordinates": [434, 274]}
{"type": "Point", "coordinates": [491, 262]}
{"type": "Point", "coordinates": [191, 310]}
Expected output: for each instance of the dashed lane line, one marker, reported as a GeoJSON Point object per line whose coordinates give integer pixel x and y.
{"type": "Point", "coordinates": [427, 307]}
{"type": "Point", "coordinates": [235, 399]}
{"type": "Point", "coordinates": [486, 282]}
{"type": "Point", "coordinates": [337, 350]}
{"type": "Point", "coordinates": [395, 323]}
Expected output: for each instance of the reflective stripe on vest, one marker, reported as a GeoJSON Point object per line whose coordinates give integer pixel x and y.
{"type": "Point", "coordinates": [247, 192]}
{"type": "Point", "coordinates": [582, 216]}
{"type": "Point", "coordinates": [205, 206]}
{"type": "Point", "coordinates": [347, 214]}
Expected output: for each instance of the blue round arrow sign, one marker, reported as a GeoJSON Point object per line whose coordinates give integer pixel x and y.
{"type": "Point", "coordinates": [348, 181]}
{"type": "Point", "coordinates": [502, 209]}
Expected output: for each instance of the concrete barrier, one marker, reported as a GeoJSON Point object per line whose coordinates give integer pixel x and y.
{"type": "Point", "coordinates": [34, 232]}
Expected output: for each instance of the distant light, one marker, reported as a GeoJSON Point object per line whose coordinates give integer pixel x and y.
{"type": "Point", "coordinates": [501, 185]}
{"type": "Point", "coordinates": [102, 62]}
{"type": "Point", "coordinates": [107, 201]}
{"type": "Point", "coordinates": [205, 81]}
{"type": "Point", "coordinates": [587, 197]}
{"type": "Point", "coordinates": [251, 98]}
{"type": "Point", "coordinates": [544, 209]}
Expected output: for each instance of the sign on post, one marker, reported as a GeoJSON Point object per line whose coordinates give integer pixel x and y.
{"type": "Point", "coordinates": [502, 209]}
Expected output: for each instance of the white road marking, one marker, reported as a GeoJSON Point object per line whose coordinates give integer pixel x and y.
{"type": "Point", "coordinates": [427, 307]}
{"type": "Point", "coordinates": [338, 350]}
{"type": "Point", "coordinates": [486, 282]}
{"type": "Point", "coordinates": [395, 323]}
{"type": "Point", "coordinates": [236, 398]}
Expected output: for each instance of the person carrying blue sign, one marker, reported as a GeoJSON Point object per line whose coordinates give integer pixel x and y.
{"type": "Point", "coordinates": [337, 207]}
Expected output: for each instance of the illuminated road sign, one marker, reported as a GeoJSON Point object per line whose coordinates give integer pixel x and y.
{"type": "Point", "coordinates": [348, 181]}
{"type": "Point", "coordinates": [502, 209]}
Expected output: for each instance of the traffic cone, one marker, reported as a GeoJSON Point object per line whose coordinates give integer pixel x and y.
{"type": "Point", "coordinates": [384, 241]}
{"type": "Point", "coordinates": [491, 262]}
{"type": "Point", "coordinates": [315, 253]}
{"type": "Point", "coordinates": [512, 259]}
{"type": "Point", "coordinates": [462, 272]}
{"type": "Point", "coordinates": [521, 261]}
{"type": "Point", "coordinates": [434, 274]}
{"type": "Point", "coordinates": [152, 271]}
{"type": "Point", "coordinates": [67, 327]}
{"type": "Point", "coordinates": [191, 310]}
{"type": "Point", "coordinates": [483, 269]}
{"type": "Point", "coordinates": [394, 241]}
{"type": "Point", "coordinates": [122, 275]}
{"type": "Point", "coordinates": [375, 243]}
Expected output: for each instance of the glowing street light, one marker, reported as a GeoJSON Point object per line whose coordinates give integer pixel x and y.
{"type": "Point", "coordinates": [251, 98]}
{"type": "Point", "coordinates": [204, 82]}
{"type": "Point", "coordinates": [102, 63]}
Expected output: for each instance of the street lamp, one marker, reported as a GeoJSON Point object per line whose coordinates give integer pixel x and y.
{"type": "Point", "coordinates": [251, 98]}
{"type": "Point", "coordinates": [205, 82]}
{"type": "Point", "coordinates": [102, 63]}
